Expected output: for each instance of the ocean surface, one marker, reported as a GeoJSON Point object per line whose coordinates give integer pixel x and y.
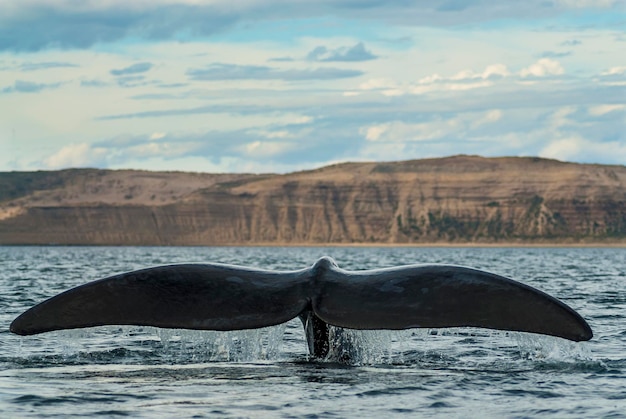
{"type": "Point", "coordinates": [147, 372]}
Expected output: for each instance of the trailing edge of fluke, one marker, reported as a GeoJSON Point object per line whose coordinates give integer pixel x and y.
{"type": "Point", "coordinates": [227, 297]}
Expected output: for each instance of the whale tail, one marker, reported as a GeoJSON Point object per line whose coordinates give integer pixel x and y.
{"type": "Point", "coordinates": [226, 297]}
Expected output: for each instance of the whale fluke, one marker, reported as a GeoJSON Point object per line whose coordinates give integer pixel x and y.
{"type": "Point", "coordinates": [227, 297]}
{"type": "Point", "coordinates": [437, 296]}
{"type": "Point", "coordinates": [204, 297]}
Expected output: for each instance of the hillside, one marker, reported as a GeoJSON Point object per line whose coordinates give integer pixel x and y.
{"type": "Point", "coordinates": [459, 199]}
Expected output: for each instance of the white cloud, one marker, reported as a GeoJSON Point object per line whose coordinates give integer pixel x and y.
{"type": "Point", "coordinates": [265, 148]}
{"type": "Point", "coordinates": [559, 118]}
{"type": "Point", "coordinates": [434, 78]}
{"type": "Point", "coordinates": [461, 86]}
{"type": "Point", "coordinates": [400, 132]}
{"type": "Point", "coordinates": [614, 71]}
{"type": "Point", "coordinates": [576, 148]}
{"type": "Point", "coordinates": [563, 149]}
{"type": "Point", "coordinates": [457, 89]}
{"type": "Point", "coordinates": [604, 109]}
{"type": "Point", "coordinates": [493, 70]}
{"type": "Point", "coordinates": [614, 76]}
{"type": "Point", "coordinates": [76, 155]}
{"type": "Point", "coordinates": [379, 83]}
{"type": "Point", "coordinates": [275, 134]}
{"type": "Point", "coordinates": [543, 67]}
{"type": "Point", "coordinates": [152, 149]}
{"type": "Point", "coordinates": [373, 133]}
{"type": "Point", "coordinates": [157, 135]}
{"type": "Point", "coordinates": [460, 127]}
{"type": "Point", "coordinates": [488, 118]}
{"type": "Point", "coordinates": [461, 81]}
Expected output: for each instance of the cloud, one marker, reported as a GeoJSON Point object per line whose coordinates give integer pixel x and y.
{"type": "Point", "coordinates": [614, 71]}
{"type": "Point", "coordinates": [117, 151]}
{"type": "Point", "coordinates": [287, 145]}
{"type": "Point", "coordinates": [463, 80]}
{"type": "Point", "coordinates": [132, 69]}
{"type": "Point", "coordinates": [402, 101]}
{"type": "Point", "coordinates": [543, 67]}
{"type": "Point", "coordinates": [253, 72]}
{"type": "Point", "coordinates": [21, 86]}
{"type": "Point", "coordinates": [266, 149]}
{"type": "Point", "coordinates": [171, 85]}
{"type": "Point", "coordinates": [354, 53]}
{"type": "Point", "coordinates": [93, 83]}
{"type": "Point", "coordinates": [211, 145]}
{"type": "Point", "coordinates": [508, 119]}
{"type": "Point", "coordinates": [583, 4]}
{"type": "Point", "coordinates": [567, 133]}
{"type": "Point", "coordinates": [493, 71]}
{"type": "Point", "coordinates": [131, 81]}
{"type": "Point", "coordinates": [576, 148]}
{"type": "Point", "coordinates": [31, 25]}
{"type": "Point", "coordinates": [157, 135]}
{"type": "Point", "coordinates": [281, 59]}
{"type": "Point", "coordinates": [247, 109]}
{"type": "Point", "coordinates": [453, 87]}
{"type": "Point", "coordinates": [614, 76]}
{"type": "Point", "coordinates": [45, 65]}
{"type": "Point", "coordinates": [555, 54]}
{"type": "Point", "coordinates": [242, 110]}
{"type": "Point", "coordinates": [488, 118]}
{"type": "Point", "coordinates": [76, 155]}
{"type": "Point", "coordinates": [600, 110]}
{"type": "Point", "coordinates": [571, 43]}
{"type": "Point", "coordinates": [459, 126]}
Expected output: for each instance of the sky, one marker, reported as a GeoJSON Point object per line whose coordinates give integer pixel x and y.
{"type": "Point", "coordinates": [288, 85]}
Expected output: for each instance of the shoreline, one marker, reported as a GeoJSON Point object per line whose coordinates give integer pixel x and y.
{"type": "Point", "coordinates": [616, 245]}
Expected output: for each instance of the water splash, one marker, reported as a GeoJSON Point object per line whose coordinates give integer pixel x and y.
{"type": "Point", "coordinates": [367, 347]}
{"type": "Point", "coordinates": [535, 347]}
{"type": "Point", "coordinates": [137, 345]}
{"type": "Point", "coordinates": [452, 348]}
{"type": "Point", "coordinates": [466, 348]}
{"type": "Point", "coordinates": [236, 346]}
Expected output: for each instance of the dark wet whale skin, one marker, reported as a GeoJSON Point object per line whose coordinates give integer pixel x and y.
{"type": "Point", "coordinates": [228, 297]}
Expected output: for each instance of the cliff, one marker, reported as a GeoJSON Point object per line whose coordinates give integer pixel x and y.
{"type": "Point", "coordinates": [460, 199]}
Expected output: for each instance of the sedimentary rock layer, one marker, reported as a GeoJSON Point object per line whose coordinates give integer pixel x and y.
{"type": "Point", "coordinates": [460, 199]}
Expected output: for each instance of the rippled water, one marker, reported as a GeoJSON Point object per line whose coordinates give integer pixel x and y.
{"type": "Point", "coordinates": [146, 372]}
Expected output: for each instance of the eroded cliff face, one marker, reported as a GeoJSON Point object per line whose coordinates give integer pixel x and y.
{"type": "Point", "coordinates": [461, 199]}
